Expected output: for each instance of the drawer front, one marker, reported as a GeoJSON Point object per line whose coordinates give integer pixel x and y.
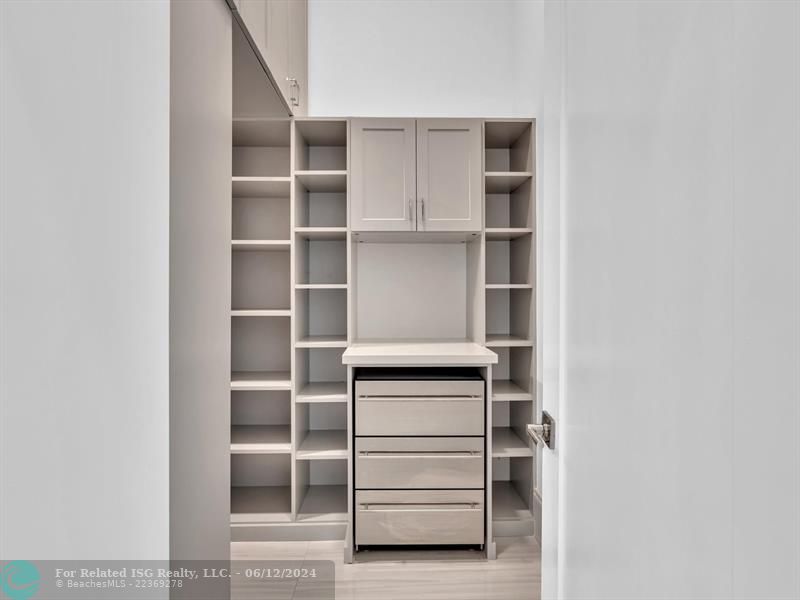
{"type": "Point", "coordinates": [419, 463]}
{"type": "Point", "coordinates": [419, 517]}
{"type": "Point", "coordinates": [389, 414]}
{"type": "Point", "coordinates": [419, 388]}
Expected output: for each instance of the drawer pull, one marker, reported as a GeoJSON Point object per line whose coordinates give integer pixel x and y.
{"type": "Point", "coordinates": [387, 507]}
{"type": "Point", "coordinates": [417, 454]}
{"type": "Point", "coordinates": [419, 398]}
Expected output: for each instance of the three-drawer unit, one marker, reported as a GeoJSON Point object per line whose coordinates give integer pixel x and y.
{"type": "Point", "coordinates": [420, 457]}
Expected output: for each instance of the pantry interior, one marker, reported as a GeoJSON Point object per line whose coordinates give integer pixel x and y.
{"type": "Point", "coordinates": [359, 243]}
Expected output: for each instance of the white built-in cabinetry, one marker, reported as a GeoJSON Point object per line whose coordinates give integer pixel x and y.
{"type": "Point", "coordinates": [510, 211]}
{"type": "Point", "coordinates": [278, 29]}
{"type": "Point", "coordinates": [289, 328]}
{"type": "Point", "coordinates": [383, 188]}
{"type": "Point", "coordinates": [319, 267]}
{"type": "Point", "coordinates": [416, 175]}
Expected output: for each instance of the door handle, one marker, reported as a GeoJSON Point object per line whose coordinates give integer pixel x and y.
{"type": "Point", "coordinates": [294, 86]}
{"type": "Point", "coordinates": [544, 433]}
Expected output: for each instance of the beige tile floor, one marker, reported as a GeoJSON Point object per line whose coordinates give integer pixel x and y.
{"type": "Point", "coordinates": [409, 575]}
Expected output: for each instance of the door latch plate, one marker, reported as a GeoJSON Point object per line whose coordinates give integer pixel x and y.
{"type": "Point", "coordinates": [544, 433]}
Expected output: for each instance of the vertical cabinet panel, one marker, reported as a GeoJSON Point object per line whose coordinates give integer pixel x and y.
{"type": "Point", "coordinates": [298, 56]}
{"type": "Point", "coordinates": [449, 169]}
{"type": "Point", "coordinates": [383, 175]}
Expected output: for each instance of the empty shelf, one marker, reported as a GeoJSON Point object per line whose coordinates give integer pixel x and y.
{"type": "Point", "coordinates": [260, 439]}
{"type": "Point", "coordinates": [503, 183]}
{"type": "Point", "coordinates": [506, 341]}
{"type": "Point", "coordinates": [321, 286]}
{"type": "Point", "coordinates": [257, 312]}
{"type": "Point", "coordinates": [324, 503]}
{"type": "Point", "coordinates": [506, 233]}
{"type": "Point", "coordinates": [261, 187]}
{"type": "Point", "coordinates": [256, 131]}
{"type": "Point", "coordinates": [323, 392]}
{"type": "Point", "coordinates": [505, 390]}
{"type": "Point", "coordinates": [322, 341]}
{"type": "Point", "coordinates": [323, 444]}
{"type": "Point", "coordinates": [507, 504]}
{"type": "Point", "coordinates": [506, 443]}
{"type": "Point", "coordinates": [267, 504]}
{"type": "Point", "coordinates": [508, 286]}
{"type": "Point", "coordinates": [322, 132]}
{"type": "Point", "coordinates": [322, 233]}
{"type": "Point", "coordinates": [323, 181]}
{"type": "Point", "coordinates": [261, 245]}
{"type": "Point", "coordinates": [261, 380]}
{"type": "Point", "coordinates": [503, 134]}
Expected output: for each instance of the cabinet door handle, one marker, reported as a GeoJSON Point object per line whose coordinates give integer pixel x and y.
{"type": "Point", "coordinates": [294, 99]}
{"type": "Point", "coordinates": [422, 206]}
{"type": "Point", "coordinates": [410, 209]}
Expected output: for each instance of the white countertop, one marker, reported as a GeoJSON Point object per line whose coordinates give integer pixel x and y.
{"type": "Point", "coordinates": [418, 353]}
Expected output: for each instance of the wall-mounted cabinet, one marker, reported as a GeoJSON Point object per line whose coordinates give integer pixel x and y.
{"type": "Point", "coordinates": [384, 175]}
{"type": "Point", "coordinates": [279, 30]}
{"type": "Point", "coordinates": [416, 175]}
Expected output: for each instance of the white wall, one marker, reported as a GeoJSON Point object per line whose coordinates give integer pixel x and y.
{"type": "Point", "coordinates": [397, 58]}
{"type": "Point", "coordinates": [84, 232]}
{"type": "Point", "coordinates": [679, 145]}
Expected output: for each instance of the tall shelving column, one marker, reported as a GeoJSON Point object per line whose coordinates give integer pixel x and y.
{"type": "Point", "coordinates": [320, 280]}
{"type": "Point", "coordinates": [260, 397]}
{"type": "Point", "coordinates": [510, 317]}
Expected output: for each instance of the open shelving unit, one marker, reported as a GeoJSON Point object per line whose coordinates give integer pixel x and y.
{"type": "Point", "coordinates": [321, 282]}
{"type": "Point", "coordinates": [260, 456]}
{"type": "Point", "coordinates": [321, 462]}
{"type": "Point", "coordinates": [510, 221]}
{"type": "Point", "coordinates": [261, 310]}
{"type": "Point", "coordinates": [289, 303]}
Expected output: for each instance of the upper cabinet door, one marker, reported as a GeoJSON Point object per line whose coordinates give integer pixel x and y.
{"type": "Point", "coordinates": [449, 175]}
{"type": "Point", "coordinates": [298, 57]}
{"type": "Point", "coordinates": [254, 15]}
{"type": "Point", "coordinates": [277, 55]}
{"type": "Point", "coordinates": [279, 29]}
{"type": "Point", "coordinates": [382, 175]}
